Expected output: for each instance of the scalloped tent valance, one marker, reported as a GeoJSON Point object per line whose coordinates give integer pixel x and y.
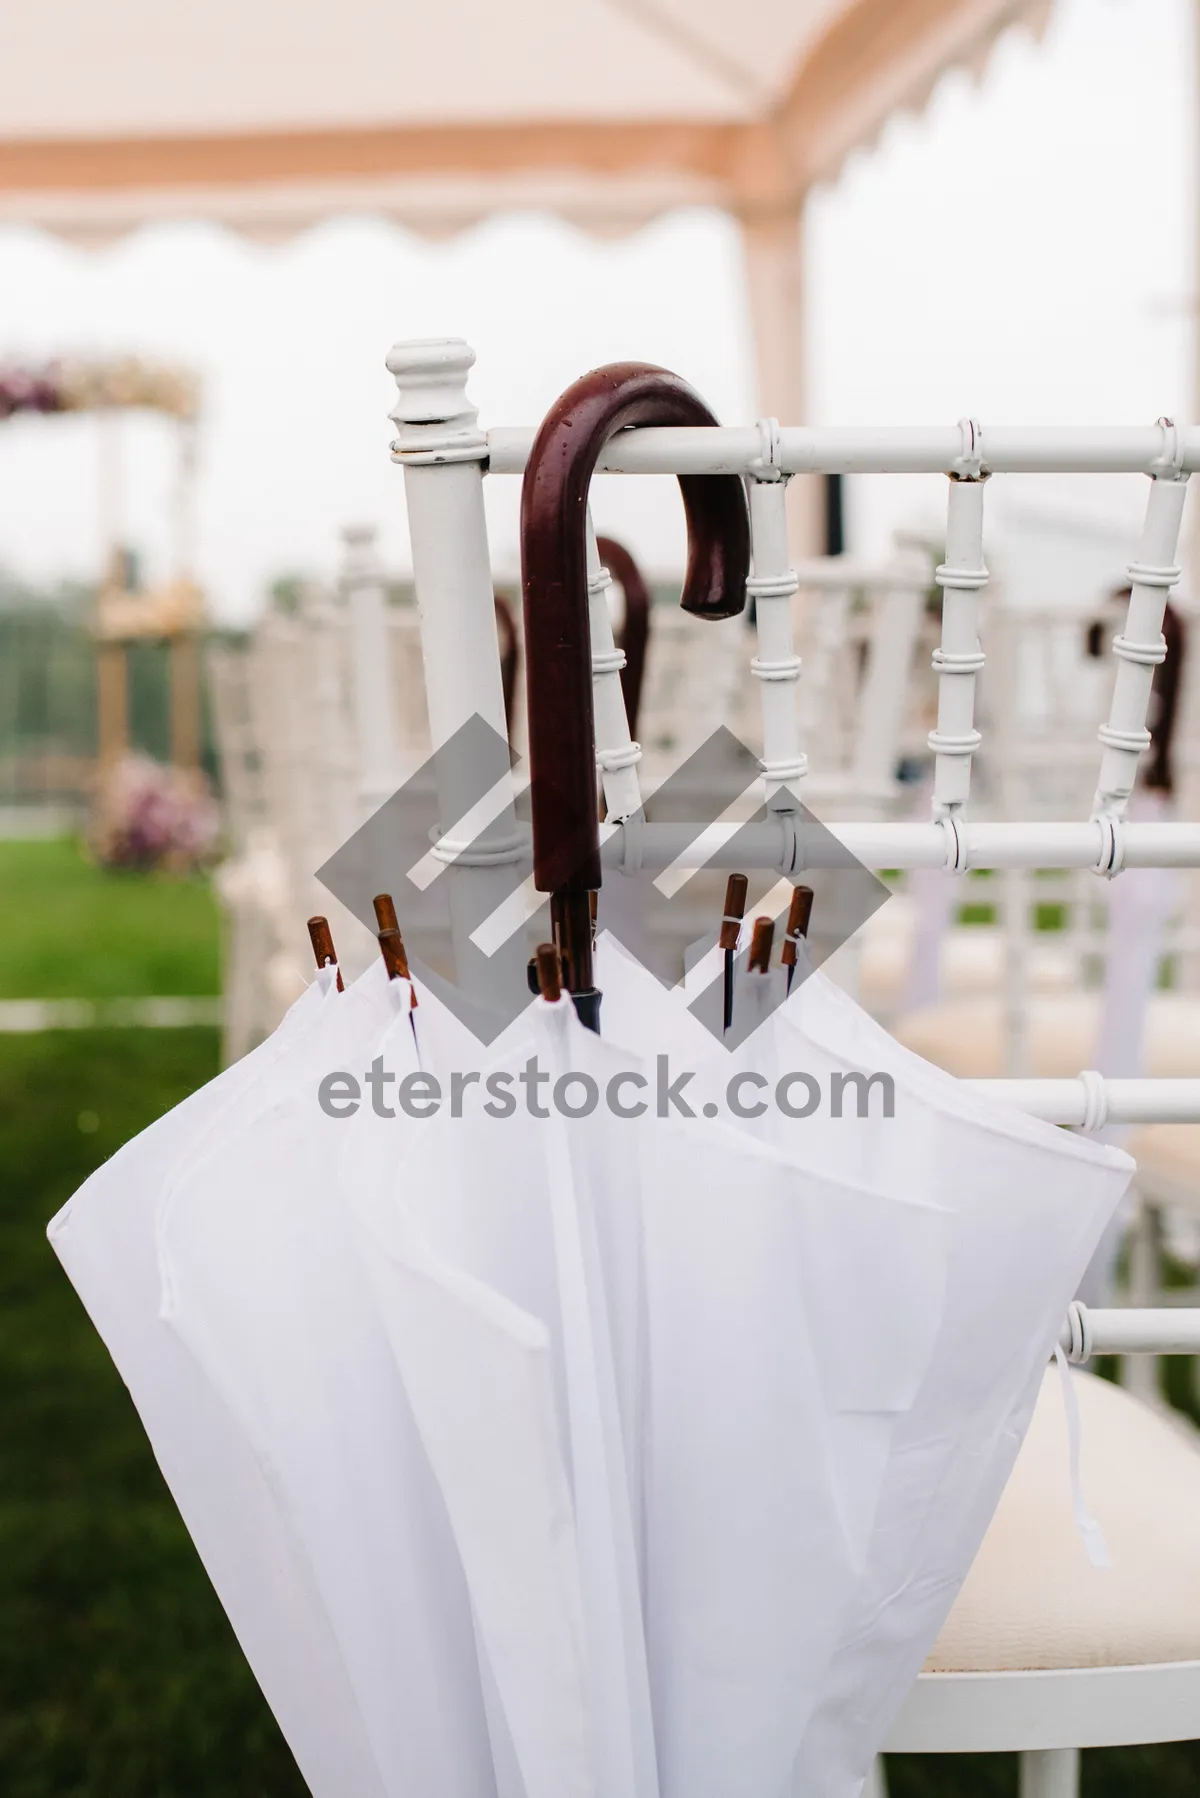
{"type": "Point", "coordinates": [268, 117]}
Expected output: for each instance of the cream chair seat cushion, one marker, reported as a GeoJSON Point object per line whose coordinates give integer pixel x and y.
{"type": "Point", "coordinates": [1032, 1599]}
{"type": "Point", "coordinates": [1168, 1158]}
{"type": "Point", "coordinates": [966, 1035]}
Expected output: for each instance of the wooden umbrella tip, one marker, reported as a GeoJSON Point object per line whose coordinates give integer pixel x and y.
{"type": "Point", "coordinates": [548, 962]}
{"type": "Point", "coordinates": [395, 959]}
{"type": "Point", "coordinates": [385, 912]}
{"type": "Point", "coordinates": [799, 918]}
{"type": "Point", "coordinates": [760, 945]}
{"type": "Point", "coordinates": [321, 938]}
{"type": "Point", "coordinates": [736, 888]}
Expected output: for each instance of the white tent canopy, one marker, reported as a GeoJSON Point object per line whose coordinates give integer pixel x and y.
{"type": "Point", "coordinates": [268, 117]}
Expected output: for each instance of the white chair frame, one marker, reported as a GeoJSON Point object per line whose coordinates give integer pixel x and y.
{"type": "Point", "coordinates": [444, 453]}
{"type": "Point", "coordinates": [1048, 1716]}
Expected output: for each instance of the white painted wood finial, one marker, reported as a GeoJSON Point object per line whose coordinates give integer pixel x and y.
{"type": "Point", "coordinates": [435, 420]}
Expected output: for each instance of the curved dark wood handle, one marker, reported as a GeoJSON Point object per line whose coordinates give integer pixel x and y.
{"type": "Point", "coordinates": [562, 736]}
{"type": "Point", "coordinates": [635, 631]}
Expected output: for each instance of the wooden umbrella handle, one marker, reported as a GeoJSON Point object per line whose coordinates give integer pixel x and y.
{"type": "Point", "coordinates": [562, 737]}
{"type": "Point", "coordinates": [635, 630]}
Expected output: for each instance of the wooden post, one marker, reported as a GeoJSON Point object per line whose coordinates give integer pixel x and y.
{"type": "Point", "coordinates": [773, 244]}
{"type": "Point", "coordinates": [112, 702]}
{"type": "Point", "coordinates": [184, 651]}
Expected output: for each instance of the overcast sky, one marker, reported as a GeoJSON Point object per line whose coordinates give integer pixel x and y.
{"type": "Point", "coordinates": [1023, 251]}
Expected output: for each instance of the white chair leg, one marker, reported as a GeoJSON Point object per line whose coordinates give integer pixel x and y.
{"type": "Point", "coordinates": [875, 1785]}
{"type": "Point", "coordinates": [1050, 1773]}
{"type": "Point", "coordinates": [1139, 1373]}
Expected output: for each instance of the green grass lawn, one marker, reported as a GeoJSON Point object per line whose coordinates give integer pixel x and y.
{"type": "Point", "coordinates": [72, 930]}
{"type": "Point", "coordinates": [119, 1676]}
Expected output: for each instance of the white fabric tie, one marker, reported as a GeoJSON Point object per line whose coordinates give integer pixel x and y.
{"type": "Point", "coordinates": [1090, 1533]}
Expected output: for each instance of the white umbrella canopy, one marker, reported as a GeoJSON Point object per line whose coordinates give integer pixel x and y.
{"type": "Point", "coordinates": [105, 1237]}
{"type": "Point", "coordinates": [263, 1285]}
{"type": "Point", "coordinates": [930, 1344]}
{"type": "Point", "coordinates": [596, 1452]}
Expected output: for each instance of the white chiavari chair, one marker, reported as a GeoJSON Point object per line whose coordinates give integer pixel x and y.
{"type": "Point", "coordinates": [1125, 1682]}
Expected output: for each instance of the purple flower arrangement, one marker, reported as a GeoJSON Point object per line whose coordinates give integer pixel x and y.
{"type": "Point", "coordinates": [89, 386]}
{"type": "Point", "coordinates": [22, 390]}
{"type": "Point", "coordinates": [151, 817]}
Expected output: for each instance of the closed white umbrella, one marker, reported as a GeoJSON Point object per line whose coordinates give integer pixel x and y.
{"type": "Point", "coordinates": [518, 1206]}
{"type": "Point", "coordinates": [1025, 1205]}
{"type": "Point", "coordinates": [263, 1285]}
{"type": "Point", "coordinates": [105, 1238]}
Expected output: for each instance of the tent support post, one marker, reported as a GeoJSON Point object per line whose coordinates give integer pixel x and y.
{"type": "Point", "coordinates": [773, 245]}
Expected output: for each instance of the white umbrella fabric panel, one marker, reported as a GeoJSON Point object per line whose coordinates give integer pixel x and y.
{"type": "Point", "coordinates": [792, 1317]}
{"type": "Point", "coordinates": [481, 1374]}
{"type": "Point", "coordinates": [105, 1237]}
{"type": "Point", "coordinates": [750, 1563]}
{"type": "Point", "coordinates": [588, 1179]}
{"type": "Point", "coordinates": [511, 1202]}
{"type": "Point", "coordinates": [887, 1263]}
{"type": "Point", "coordinates": [263, 1283]}
{"type": "Point", "coordinates": [476, 1370]}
